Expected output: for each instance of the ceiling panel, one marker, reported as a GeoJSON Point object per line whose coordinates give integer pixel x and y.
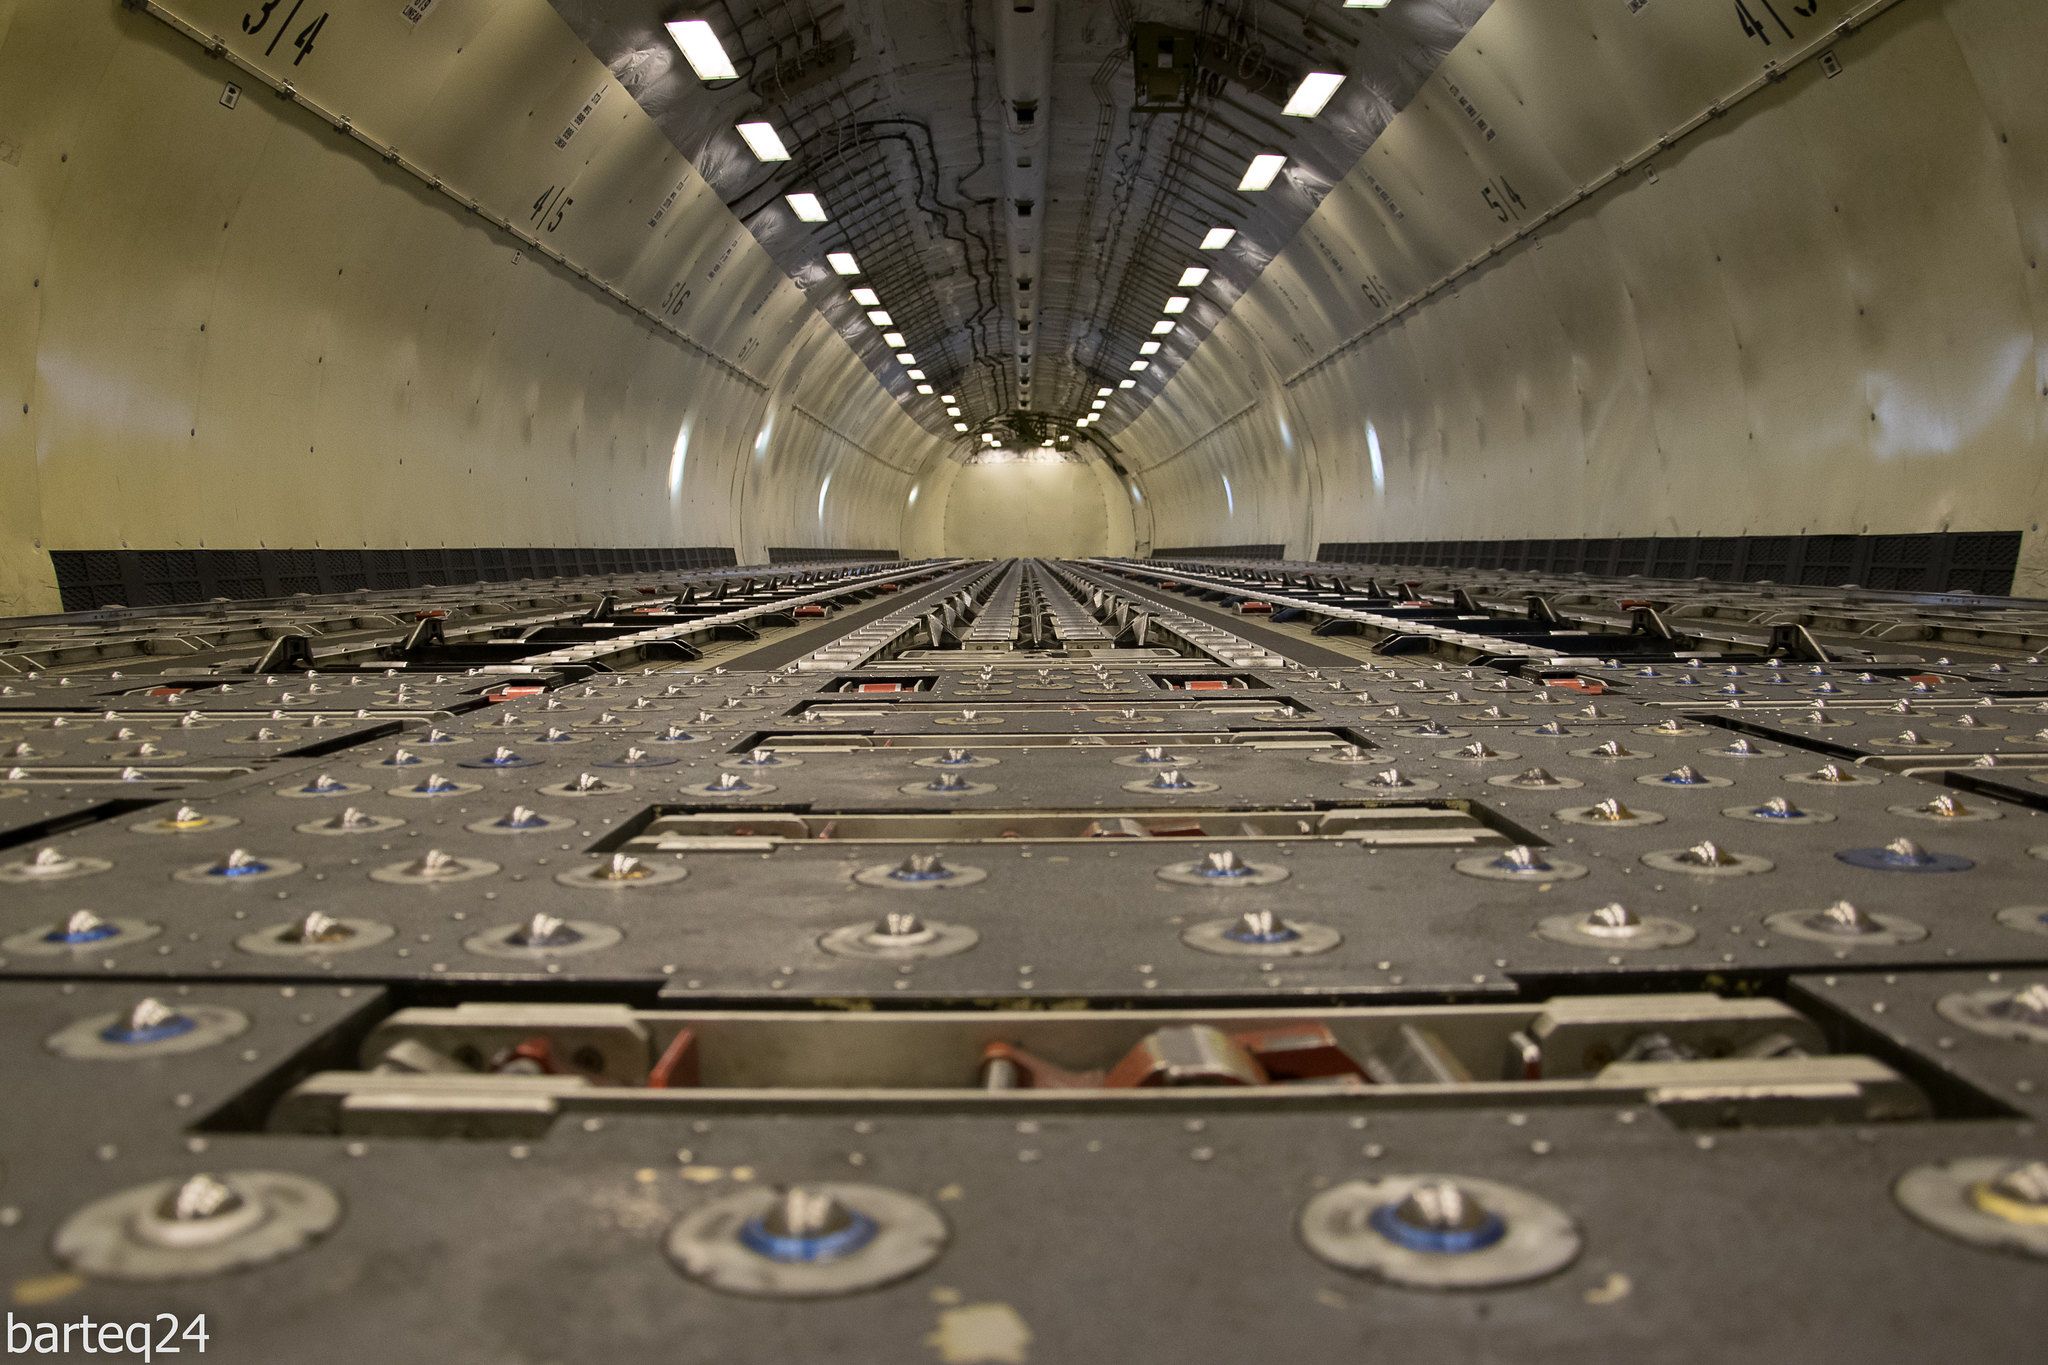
{"type": "Point", "coordinates": [906, 118]}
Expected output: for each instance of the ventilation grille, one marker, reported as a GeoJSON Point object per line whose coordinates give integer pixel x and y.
{"type": "Point", "coordinates": [1222, 552]}
{"type": "Point", "coordinates": [812, 554]}
{"type": "Point", "coordinates": [1957, 561]}
{"type": "Point", "coordinates": [92, 579]}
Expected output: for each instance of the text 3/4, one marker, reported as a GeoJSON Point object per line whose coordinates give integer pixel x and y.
{"type": "Point", "coordinates": [257, 20]}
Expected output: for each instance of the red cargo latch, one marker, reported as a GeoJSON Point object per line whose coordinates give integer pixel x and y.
{"type": "Point", "coordinates": [533, 1056]}
{"type": "Point", "coordinates": [679, 1065]}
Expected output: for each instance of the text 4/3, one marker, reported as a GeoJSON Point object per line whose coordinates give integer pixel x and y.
{"type": "Point", "coordinates": [1760, 18]}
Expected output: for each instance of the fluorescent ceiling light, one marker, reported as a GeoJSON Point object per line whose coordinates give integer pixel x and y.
{"type": "Point", "coordinates": [925, 389]}
{"type": "Point", "coordinates": [764, 141]}
{"type": "Point", "coordinates": [702, 50]}
{"type": "Point", "coordinates": [893, 340]}
{"type": "Point", "coordinates": [1149, 348]}
{"type": "Point", "coordinates": [1162, 327]}
{"type": "Point", "coordinates": [905, 358]}
{"type": "Point", "coordinates": [947, 398]}
{"type": "Point", "coordinates": [1193, 276]}
{"type": "Point", "coordinates": [1177, 304]}
{"type": "Point", "coordinates": [1218, 238]}
{"type": "Point", "coordinates": [842, 262]}
{"type": "Point", "coordinates": [915, 374]}
{"type": "Point", "coordinates": [950, 412]}
{"type": "Point", "coordinates": [880, 317]}
{"type": "Point", "coordinates": [1140, 366]}
{"type": "Point", "coordinates": [1102, 392]}
{"type": "Point", "coordinates": [1312, 94]}
{"type": "Point", "coordinates": [1128, 384]}
{"type": "Point", "coordinates": [1099, 404]}
{"type": "Point", "coordinates": [959, 426]}
{"type": "Point", "coordinates": [867, 298]}
{"type": "Point", "coordinates": [808, 206]}
{"type": "Point", "coordinates": [1367, 4]}
{"type": "Point", "coordinates": [1263, 171]}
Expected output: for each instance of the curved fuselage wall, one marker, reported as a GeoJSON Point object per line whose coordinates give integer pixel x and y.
{"type": "Point", "coordinates": [1818, 313]}
{"type": "Point", "coordinates": [242, 326]}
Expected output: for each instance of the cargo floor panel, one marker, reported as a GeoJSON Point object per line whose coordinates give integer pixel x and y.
{"type": "Point", "coordinates": [1031, 914]}
{"type": "Point", "coordinates": [517, 1069]}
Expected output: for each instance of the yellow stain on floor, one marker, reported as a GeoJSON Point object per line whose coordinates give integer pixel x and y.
{"type": "Point", "coordinates": [41, 1289]}
{"type": "Point", "coordinates": [981, 1334]}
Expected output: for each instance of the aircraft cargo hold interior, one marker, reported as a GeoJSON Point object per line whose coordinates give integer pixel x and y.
{"type": "Point", "coordinates": [1018, 681]}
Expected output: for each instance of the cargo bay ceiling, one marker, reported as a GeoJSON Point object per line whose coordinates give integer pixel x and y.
{"type": "Point", "coordinates": [1023, 184]}
{"type": "Point", "coordinates": [1557, 273]}
{"type": "Point", "coordinates": [1544, 274]}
